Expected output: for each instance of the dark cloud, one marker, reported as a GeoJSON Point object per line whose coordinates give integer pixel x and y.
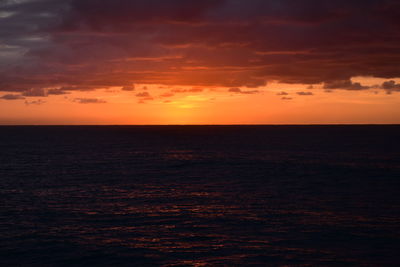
{"type": "Point", "coordinates": [240, 91]}
{"type": "Point", "coordinates": [345, 84]}
{"type": "Point", "coordinates": [123, 14]}
{"type": "Point", "coordinates": [286, 98]}
{"type": "Point", "coordinates": [144, 97]}
{"type": "Point", "coordinates": [12, 97]}
{"type": "Point", "coordinates": [89, 101]}
{"type": "Point", "coordinates": [391, 86]}
{"type": "Point", "coordinates": [305, 93]}
{"type": "Point", "coordinates": [282, 93]}
{"type": "Point", "coordinates": [128, 88]}
{"type": "Point", "coordinates": [57, 91]}
{"type": "Point", "coordinates": [42, 92]}
{"type": "Point", "coordinates": [88, 44]}
{"type": "Point", "coordinates": [143, 94]}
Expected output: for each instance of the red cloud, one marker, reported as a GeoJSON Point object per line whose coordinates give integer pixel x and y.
{"type": "Point", "coordinates": [88, 44]}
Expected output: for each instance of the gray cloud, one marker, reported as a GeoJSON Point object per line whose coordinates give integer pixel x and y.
{"type": "Point", "coordinates": [240, 91]}
{"type": "Point", "coordinates": [346, 85]}
{"type": "Point", "coordinates": [305, 93]}
{"type": "Point", "coordinates": [57, 91]}
{"type": "Point", "coordinates": [12, 97]}
{"type": "Point", "coordinates": [282, 93]}
{"type": "Point", "coordinates": [89, 101]}
{"type": "Point", "coordinates": [143, 94]}
{"type": "Point", "coordinates": [391, 86]}
{"type": "Point", "coordinates": [143, 97]}
{"type": "Point", "coordinates": [128, 88]}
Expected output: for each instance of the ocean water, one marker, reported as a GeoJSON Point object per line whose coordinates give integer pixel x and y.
{"type": "Point", "coordinates": [200, 196]}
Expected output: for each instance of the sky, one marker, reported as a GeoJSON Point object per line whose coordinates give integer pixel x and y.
{"type": "Point", "coordinates": [199, 62]}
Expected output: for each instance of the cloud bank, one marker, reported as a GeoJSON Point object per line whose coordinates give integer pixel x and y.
{"type": "Point", "coordinates": [67, 45]}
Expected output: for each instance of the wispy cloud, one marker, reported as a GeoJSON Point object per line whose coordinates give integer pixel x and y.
{"type": "Point", "coordinates": [12, 97]}
{"type": "Point", "coordinates": [305, 93]}
{"type": "Point", "coordinates": [240, 91]}
{"type": "Point", "coordinates": [89, 101]}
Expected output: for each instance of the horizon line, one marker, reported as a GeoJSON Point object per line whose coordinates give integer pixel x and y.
{"type": "Point", "coordinates": [146, 125]}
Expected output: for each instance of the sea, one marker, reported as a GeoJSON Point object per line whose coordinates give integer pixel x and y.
{"type": "Point", "coordinates": [200, 195]}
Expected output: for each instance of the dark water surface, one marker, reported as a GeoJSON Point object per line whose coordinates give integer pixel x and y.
{"type": "Point", "coordinates": [200, 196]}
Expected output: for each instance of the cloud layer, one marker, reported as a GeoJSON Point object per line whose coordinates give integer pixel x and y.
{"type": "Point", "coordinates": [71, 45]}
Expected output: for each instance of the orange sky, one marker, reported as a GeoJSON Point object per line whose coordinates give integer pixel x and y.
{"type": "Point", "coordinates": [199, 62]}
{"type": "Point", "coordinates": [210, 106]}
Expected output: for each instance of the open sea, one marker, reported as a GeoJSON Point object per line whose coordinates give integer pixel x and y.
{"type": "Point", "coordinates": [200, 196]}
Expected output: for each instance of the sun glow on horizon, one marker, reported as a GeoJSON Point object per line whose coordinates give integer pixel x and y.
{"type": "Point", "coordinates": [275, 103]}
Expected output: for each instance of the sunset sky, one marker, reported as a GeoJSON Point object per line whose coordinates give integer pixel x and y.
{"type": "Point", "coordinates": [199, 62]}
